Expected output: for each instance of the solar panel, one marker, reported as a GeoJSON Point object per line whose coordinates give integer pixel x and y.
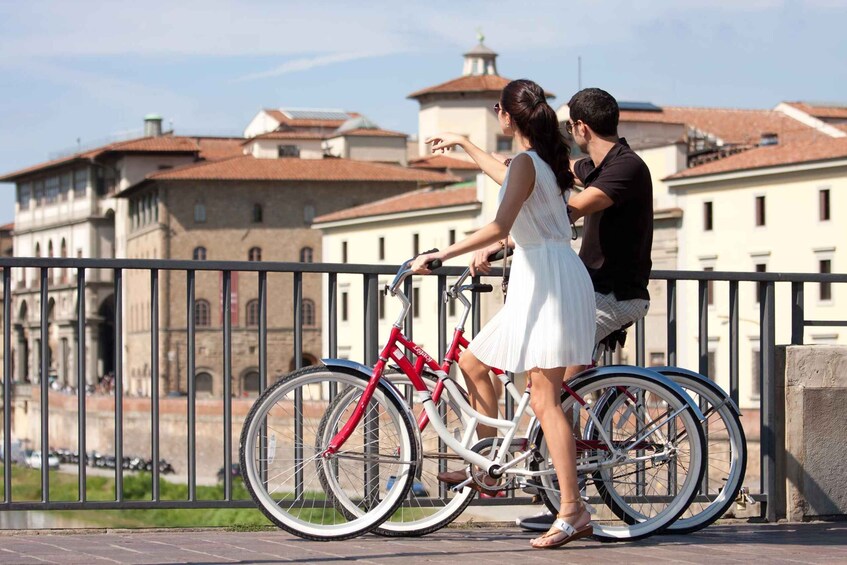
{"type": "Point", "coordinates": [315, 114]}
{"type": "Point", "coordinates": [639, 106]}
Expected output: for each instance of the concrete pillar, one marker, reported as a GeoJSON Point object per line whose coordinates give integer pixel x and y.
{"type": "Point", "coordinates": [815, 442]}
{"type": "Point", "coordinates": [92, 349]}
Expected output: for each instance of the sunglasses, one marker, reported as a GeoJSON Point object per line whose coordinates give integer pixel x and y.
{"type": "Point", "coordinates": [569, 125]}
{"type": "Point", "coordinates": [497, 108]}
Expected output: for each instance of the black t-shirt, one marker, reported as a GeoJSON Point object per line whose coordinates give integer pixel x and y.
{"type": "Point", "coordinates": [616, 241]}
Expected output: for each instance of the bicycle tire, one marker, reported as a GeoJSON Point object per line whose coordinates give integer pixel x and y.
{"type": "Point", "coordinates": [416, 517]}
{"type": "Point", "coordinates": [721, 414]}
{"type": "Point", "coordinates": [605, 484]}
{"type": "Point", "coordinates": [282, 456]}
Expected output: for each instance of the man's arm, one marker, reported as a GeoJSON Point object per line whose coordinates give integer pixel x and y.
{"type": "Point", "coordinates": [587, 202]}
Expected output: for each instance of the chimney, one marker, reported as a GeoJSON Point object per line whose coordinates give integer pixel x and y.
{"type": "Point", "coordinates": [769, 138]}
{"type": "Point", "coordinates": [152, 125]}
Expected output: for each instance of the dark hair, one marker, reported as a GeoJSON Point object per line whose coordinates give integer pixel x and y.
{"type": "Point", "coordinates": [596, 108]}
{"type": "Point", "coordinates": [526, 103]}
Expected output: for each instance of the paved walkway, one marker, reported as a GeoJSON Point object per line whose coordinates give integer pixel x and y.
{"type": "Point", "coordinates": [732, 543]}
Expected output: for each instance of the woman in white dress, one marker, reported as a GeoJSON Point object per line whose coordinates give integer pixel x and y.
{"type": "Point", "coordinates": [548, 321]}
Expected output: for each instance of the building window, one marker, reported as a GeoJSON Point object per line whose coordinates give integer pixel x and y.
{"type": "Point", "coordinates": [307, 255]}
{"type": "Point", "coordinates": [657, 359]}
{"type": "Point", "coordinates": [344, 307]}
{"type": "Point", "coordinates": [65, 184]}
{"type": "Point", "coordinates": [825, 268]}
{"type": "Point", "coordinates": [257, 213]}
{"type": "Point", "coordinates": [711, 365]}
{"type": "Point", "coordinates": [252, 313]}
{"type": "Point", "coordinates": [80, 181]}
{"type": "Point", "coordinates": [451, 237]}
{"type": "Point", "coordinates": [255, 254]}
{"type": "Point", "coordinates": [382, 249]}
{"type": "Point", "coordinates": [308, 312]}
{"type": "Point", "coordinates": [199, 254]}
{"type": "Point", "coordinates": [823, 204]}
{"type": "Point", "coordinates": [760, 286]}
{"type": "Point", "coordinates": [710, 287]}
{"type": "Point", "coordinates": [203, 384]}
{"type": "Point", "coordinates": [250, 384]}
{"type": "Point", "coordinates": [381, 305]}
{"type": "Point", "coordinates": [51, 187]}
{"type": "Point", "coordinates": [760, 210]}
{"type": "Point", "coordinates": [199, 213]}
{"type": "Point", "coordinates": [288, 151]}
{"type": "Point", "coordinates": [343, 251]}
{"type": "Point", "coordinates": [24, 195]}
{"type": "Point", "coordinates": [756, 380]}
{"type": "Point", "coordinates": [504, 144]}
{"type": "Point", "coordinates": [416, 244]}
{"type": "Point", "coordinates": [451, 308]}
{"type": "Point", "coordinates": [38, 192]}
{"type": "Point", "coordinates": [202, 314]}
{"type": "Point", "coordinates": [707, 216]}
{"type": "Point", "coordinates": [416, 303]}
{"type": "Point", "coordinates": [308, 214]}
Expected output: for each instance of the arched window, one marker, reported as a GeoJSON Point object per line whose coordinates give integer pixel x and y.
{"type": "Point", "coordinates": [202, 314]}
{"type": "Point", "coordinates": [257, 213]}
{"type": "Point", "coordinates": [255, 254]}
{"type": "Point", "coordinates": [38, 250]}
{"type": "Point", "coordinates": [203, 384]}
{"type": "Point", "coordinates": [306, 255]}
{"type": "Point", "coordinates": [199, 254]}
{"type": "Point", "coordinates": [253, 313]}
{"type": "Point", "coordinates": [50, 248]}
{"type": "Point", "coordinates": [250, 383]}
{"type": "Point", "coordinates": [64, 254]}
{"type": "Point", "coordinates": [308, 312]}
{"type": "Point", "coordinates": [199, 213]}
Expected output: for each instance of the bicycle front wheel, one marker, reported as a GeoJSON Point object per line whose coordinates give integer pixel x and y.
{"type": "Point", "coordinates": [307, 492]}
{"type": "Point", "coordinates": [639, 452]}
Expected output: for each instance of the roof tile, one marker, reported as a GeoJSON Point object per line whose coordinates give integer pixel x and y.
{"type": "Point", "coordinates": [471, 83]}
{"type": "Point", "coordinates": [424, 199]}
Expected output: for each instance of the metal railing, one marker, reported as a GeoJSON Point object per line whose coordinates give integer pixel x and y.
{"type": "Point", "coordinates": [370, 274]}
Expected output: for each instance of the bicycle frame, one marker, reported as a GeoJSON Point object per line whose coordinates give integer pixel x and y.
{"type": "Point", "coordinates": [495, 467]}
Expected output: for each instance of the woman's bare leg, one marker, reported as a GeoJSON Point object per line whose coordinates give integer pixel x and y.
{"type": "Point", "coordinates": [546, 403]}
{"type": "Point", "coordinates": [483, 395]}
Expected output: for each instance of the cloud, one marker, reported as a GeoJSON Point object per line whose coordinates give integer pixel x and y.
{"type": "Point", "coordinates": [307, 63]}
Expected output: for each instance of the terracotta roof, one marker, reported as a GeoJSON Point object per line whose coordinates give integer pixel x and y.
{"type": "Point", "coordinates": [7, 227]}
{"type": "Point", "coordinates": [741, 127]}
{"type": "Point", "coordinates": [443, 162]}
{"type": "Point", "coordinates": [424, 199]}
{"type": "Point", "coordinates": [160, 144]}
{"type": "Point", "coordinates": [247, 167]}
{"type": "Point", "coordinates": [306, 123]}
{"type": "Point", "coordinates": [311, 135]}
{"type": "Point", "coordinates": [821, 111]}
{"type": "Point", "coordinates": [472, 83]}
{"type": "Point", "coordinates": [364, 132]}
{"type": "Point", "coordinates": [217, 148]}
{"type": "Point", "coordinates": [816, 147]}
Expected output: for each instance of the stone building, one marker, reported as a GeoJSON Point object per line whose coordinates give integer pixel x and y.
{"type": "Point", "coordinates": [66, 208]}
{"type": "Point", "coordinates": [244, 208]}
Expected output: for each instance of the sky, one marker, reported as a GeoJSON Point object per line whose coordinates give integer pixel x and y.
{"type": "Point", "coordinates": [83, 71]}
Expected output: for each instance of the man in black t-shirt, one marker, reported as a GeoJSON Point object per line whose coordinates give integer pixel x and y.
{"type": "Point", "coordinates": [617, 204]}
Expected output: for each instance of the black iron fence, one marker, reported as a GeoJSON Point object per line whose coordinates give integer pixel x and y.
{"type": "Point", "coordinates": [370, 275]}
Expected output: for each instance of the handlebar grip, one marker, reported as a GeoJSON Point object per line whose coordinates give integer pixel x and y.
{"type": "Point", "coordinates": [482, 288]}
{"type": "Point", "coordinates": [498, 256]}
{"type": "Point", "coordinates": [434, 264]}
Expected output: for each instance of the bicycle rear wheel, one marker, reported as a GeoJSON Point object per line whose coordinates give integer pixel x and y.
{"type": "Point", "coordinates": [726, 451]}
{"type": "Point", "coordinates": [660, 444]}
{"type": "Point", "coordinates": [301, 489]}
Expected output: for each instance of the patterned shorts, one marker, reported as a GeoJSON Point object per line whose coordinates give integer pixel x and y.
{"type": "Point", "coordinates": [612, 314]}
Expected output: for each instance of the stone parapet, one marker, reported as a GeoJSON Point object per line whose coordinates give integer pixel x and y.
{"type": "Point", "coordinates": [815, 432]}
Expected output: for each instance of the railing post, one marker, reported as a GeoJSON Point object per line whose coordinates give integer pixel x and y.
{"type": "Point", "coordinates": [191, 380]}
{"type": "Point", "coordinates": [671, 322]}
{"type": "Point", "coordinates": [7, 384]}
{"type": "Point", "coordinates": [733, 341]}
{"type": "Point", "coordinates": [768, 395]}
{"type": "Point", "coordinates": [45, 387]}
{"type": "Point", "coordinates": [798, 317]}
{"type": "Point", "coordinates": [227, 374]}
{"type": "Point", "coordinates": [119, 387]}
{"type": "Point", "coordinates": [154, 378]}
{"type": "Point", "coordinates": [81, 385]}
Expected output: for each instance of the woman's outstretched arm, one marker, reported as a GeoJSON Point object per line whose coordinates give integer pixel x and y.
{"type": "Point", "coordinates": [488, 163]}
{"type": "Point", "coordinates": [521, 183]}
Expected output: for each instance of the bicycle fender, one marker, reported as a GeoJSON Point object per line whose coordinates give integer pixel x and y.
{"type": "Point", "coordinates": [641, 372]}
{"type": "Point", "coordinates": [704, 380]}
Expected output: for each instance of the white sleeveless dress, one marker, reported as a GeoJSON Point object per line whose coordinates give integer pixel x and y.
{"type": "Point", "coordinates": [548, 319]}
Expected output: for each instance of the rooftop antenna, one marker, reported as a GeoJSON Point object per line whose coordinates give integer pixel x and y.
{"type": "Point", "coordinates": [579, 73]}
{"type": "Point", "coordinates": [479, 35]}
